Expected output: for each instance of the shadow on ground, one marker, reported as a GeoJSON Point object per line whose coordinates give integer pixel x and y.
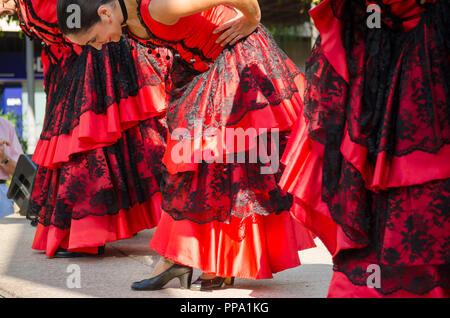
{"type": "Point", "coordinates": [28, 273]}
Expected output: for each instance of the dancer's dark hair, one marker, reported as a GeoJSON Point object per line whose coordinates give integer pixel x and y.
{"type": "Point", "coordinates": [88, 10]}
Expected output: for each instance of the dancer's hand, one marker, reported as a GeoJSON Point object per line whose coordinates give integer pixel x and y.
{"type": "Point", "coordinates": [3, 155]}
{"type": "Point", "coordinates": [7, 7]}
{"type": "Point", "coordinates": [235, 30]}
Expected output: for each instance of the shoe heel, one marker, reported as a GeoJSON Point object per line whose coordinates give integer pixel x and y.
{"type": "Point", "coordinates": [229, 281]}
{"type": "Point", "coordinates": [186, 280]}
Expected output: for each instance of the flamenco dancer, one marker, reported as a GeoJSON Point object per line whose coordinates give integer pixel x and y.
{"type": "Point", "coordinates": [368, 160]}
{"type": "Point", "coordinates": [101, 147]}
{"type": "Point", "coordinates": [226, 218]}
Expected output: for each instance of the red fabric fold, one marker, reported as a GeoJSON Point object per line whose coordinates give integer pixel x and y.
{"type": "Point", "coordinates": [251, 248]}
{"type": "Point", "coordinates": [415, 168]}
{"type": "Point", "coordinates": [87, 234]}
{"type": "Point", "coordinates": [273, 117]}
{"type": "Point", "coordinates": [330, 28]}
{"type": "Point", "coordinates": [98, 130]}
{"type": "Point", "coordinates": [302, 178]}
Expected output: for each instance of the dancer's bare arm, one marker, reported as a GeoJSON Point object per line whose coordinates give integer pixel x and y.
{"type": "Point", "coordinates": [169, 11]}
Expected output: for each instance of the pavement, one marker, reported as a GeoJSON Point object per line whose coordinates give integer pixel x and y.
{"type": "Point", "coordinates": [26, 273]}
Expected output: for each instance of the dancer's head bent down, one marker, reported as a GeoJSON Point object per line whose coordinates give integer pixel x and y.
{"type": "Point", "coordinates": [90, 22]}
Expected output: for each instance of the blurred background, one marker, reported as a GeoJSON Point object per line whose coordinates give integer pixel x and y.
{"type": "Point", "coordinates": [22, 96]}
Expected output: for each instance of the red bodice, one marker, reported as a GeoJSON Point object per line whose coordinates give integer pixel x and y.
{"type": "Point", "coordinates": [38, 20]}
{"type": "Point", "coordinates": [192, 36]}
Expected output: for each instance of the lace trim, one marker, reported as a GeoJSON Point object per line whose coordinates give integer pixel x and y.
{"type": "Point", "coordinates": [220, 65]}
{"type": "Point", "coordinates": [376, 150]}
{"type": "Point", "coordinates": [75, 66]}
{"type": "Point", "coordinates": [106, 180]}
{"type": "Point", "coordinates": [363, 283]}
{"type": "Point", "coordinates": [238, 190]}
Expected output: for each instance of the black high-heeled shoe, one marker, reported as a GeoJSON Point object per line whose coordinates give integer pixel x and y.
{"type": "Point", "coordinates": [183, 273]}
{"type": "Point", "coordinates": [63, 253]}
{"type": "Point", "coordinates": [101, 250]}
{"type": "Point", "coordinates": [210, 284]}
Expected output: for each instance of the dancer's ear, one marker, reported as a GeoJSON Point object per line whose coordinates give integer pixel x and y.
{"type": "Point", "coordinates": [105, 13]}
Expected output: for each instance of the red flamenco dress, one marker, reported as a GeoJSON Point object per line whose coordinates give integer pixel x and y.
{"type": "Point", "coordinates": [100, 151]}
{"type": "Point", "coordinates": [368, 162]}
{"type": "Point", "coordinates": [226, 219]}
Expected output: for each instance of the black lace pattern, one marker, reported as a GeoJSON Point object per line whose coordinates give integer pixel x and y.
{"type": "Point", "coordinates": [253, 74]}
{"type": "Point", "coordinates": [102, 181]}
{"type": "Point", "coordinates": [218, 191]}
{"type": "Point", "coordinates": [409, 240]}
{"type": "Point", "coordinates": [95, 80]}
{"type": "Point", "coordinates": [397, 102]}
{"type": "Point", "coordinates": [244, 78]}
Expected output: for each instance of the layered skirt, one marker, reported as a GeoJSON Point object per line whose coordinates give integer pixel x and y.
{"type": "Point", "coordinates": [367, 162]}
{"type": "Point", "coordinates": [101, 148]}
{"type": "Point", "coordinates": [224, 211]}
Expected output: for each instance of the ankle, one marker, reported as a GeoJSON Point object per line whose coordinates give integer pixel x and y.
{"type": "Point", "coordinates": [166, 261]}
{"type": "Point", "coordinates": [207, 276]}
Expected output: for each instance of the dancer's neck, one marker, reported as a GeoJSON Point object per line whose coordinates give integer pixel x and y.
{"type": "Point", "coordinates": [132, 11]}
{"type": "Point", "coordinates": [134, 23]}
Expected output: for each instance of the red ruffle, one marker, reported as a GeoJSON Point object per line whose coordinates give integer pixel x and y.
{"type": "Point", "coordinates": [303, 158]}
{"type": "Point", "coordinates": [98, 130]}
{"type": "Point", "coordinates": [318, 221]}
{"type": "Point", "coordinates": [87, 234]}
{"type": "Point", "coordinates": [302, 178]}
{"type": "Point", "coordinates": [303, 236]}
{"type": "Point", "coordinates": [252, 248]}
{"type": "Point", "coordinates": [415, 168]}
{"type": "Point", "coordinates": [342, 287]}
{"type": "Point", "coordinates": [330, 28]}
{"type": "Point", "coordinates": [213, 146]}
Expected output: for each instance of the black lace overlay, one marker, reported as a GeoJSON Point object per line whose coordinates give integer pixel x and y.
{"type": "Point", "coordinates": [401, 80]}
{"type": "Point", "coordinates": [409, 240]}
{"type": "Point", "coordinates": [95, 80]}
{"type": "Point", "coordinates": [252, 75]}
{"type": "Point", "coordinates": [244, 78]}
{"type": "Point", "coordinates": [218, 191]}
{"type": "Point", "coordinates": [105, 180]}
{"type": "Point", "coordinates": [397, 102]}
